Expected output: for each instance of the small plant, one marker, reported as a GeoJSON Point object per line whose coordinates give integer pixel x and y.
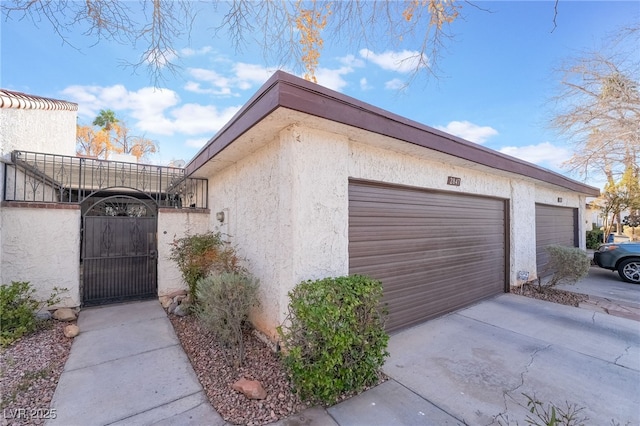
{"type": "Point", "coordinates": [224, 301]}
{"type": "Point", "coordinates": [201, 254]}
{"type": "Point", "coordinates": [550, 415]}
{"type": "Point", "coordinates": [594, 238]}
{"type": "Point", "coordinates": [17, 310]}
{"type": "Point", "coordinates": [568, 264]}
{"type": "Point", "coordinates": [335, 340]}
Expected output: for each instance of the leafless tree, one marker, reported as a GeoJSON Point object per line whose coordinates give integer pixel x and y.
{"type": "Point", "coordinates": [288, 31]}
{"type": "Point", "coordinates": [598, 107]}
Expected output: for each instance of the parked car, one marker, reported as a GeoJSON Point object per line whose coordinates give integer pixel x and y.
{"type": "Point", "coordinates": [621, 257]}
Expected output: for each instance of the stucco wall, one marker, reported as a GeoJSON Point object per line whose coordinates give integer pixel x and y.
{"type": "Point", "coordinates": [254, 195]}
{"type": "Point", "coordinates": [48, 131]}
{"type": "Point", "coordinates": [286, 206]}
{"type": "Point", "coordinates": [172, 224]}
{"type": "Point", "coordinates": [42, 246]}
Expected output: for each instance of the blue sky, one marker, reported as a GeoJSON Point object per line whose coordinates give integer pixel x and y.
{"type": "Point", "coordinates": [497, 77]}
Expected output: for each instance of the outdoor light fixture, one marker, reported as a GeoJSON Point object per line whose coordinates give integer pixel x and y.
{"type": "Point", "coordinates": [220, 216]}
{"type": "Point", "coordinates": [559, 199]}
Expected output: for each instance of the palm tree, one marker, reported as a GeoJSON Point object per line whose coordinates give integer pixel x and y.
{"type": "Point", "coordinates": [105, 119]}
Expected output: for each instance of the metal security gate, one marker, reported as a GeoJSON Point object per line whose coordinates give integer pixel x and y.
{"type": "Point", "coordinates": [119, 250]}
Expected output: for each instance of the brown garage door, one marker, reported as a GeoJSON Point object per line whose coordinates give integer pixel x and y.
{"type": "Point", "coordinates": [434, 252]}
{"type": "Point", "coordinates": [554, 225]}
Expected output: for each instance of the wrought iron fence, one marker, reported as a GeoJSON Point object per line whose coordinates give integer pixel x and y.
{"type": "Point", "coordinates": [52, 178]}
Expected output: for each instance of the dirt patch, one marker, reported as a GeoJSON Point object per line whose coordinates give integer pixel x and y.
{"type": "Point", "coordinates": [551, 295]}
{"type": "Point", "coordinates": [29, 372]}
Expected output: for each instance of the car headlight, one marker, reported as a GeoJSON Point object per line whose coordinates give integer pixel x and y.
{"type": "Point", "coordinates": [607, 248]}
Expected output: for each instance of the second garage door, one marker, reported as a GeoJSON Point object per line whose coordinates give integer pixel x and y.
{"type": "Point", "coordinates": [434, 252]}
{"type": "Point", "coordinates": [554, 225]}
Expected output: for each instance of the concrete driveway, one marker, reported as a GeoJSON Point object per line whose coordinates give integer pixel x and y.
{"type": "Point", "coordinates": [606, 284]}
{"type": "Point", "coordinates": [473, 366]}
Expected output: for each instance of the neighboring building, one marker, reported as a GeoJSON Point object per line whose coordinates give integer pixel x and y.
{"type": "Point", "coordinates": [313, 183]}
{"type": "Point", "coordinates": [100, 229]}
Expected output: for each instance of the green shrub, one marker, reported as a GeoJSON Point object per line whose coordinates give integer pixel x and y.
{"type": "Point", "coordinates": [201, 254]}
{"type": "Point", "coordinates": [335, 340]}
{"type": "Point", "coordinates": [568, 264]}
{"type": "Point", "coordinates": [224, 301]}
{"type": "Point", "coordinates": [594, 238]}
{"type": "Point", "coordinates": [18, 307]}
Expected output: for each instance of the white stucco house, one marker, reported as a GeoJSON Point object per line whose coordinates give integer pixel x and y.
{"type": "Point", "coordinates": [313, 183]}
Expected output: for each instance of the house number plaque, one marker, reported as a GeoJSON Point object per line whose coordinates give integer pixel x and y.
{"type": "Point", "coordinates": [452, 180]}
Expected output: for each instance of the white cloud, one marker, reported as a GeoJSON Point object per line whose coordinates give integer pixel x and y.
{"type": "Point", "coordinates": [544, 153]}
{"type": "Point", "coordinates": [193, 119]}
{"type": "Point", "coordinates": [196, 142]}
{"type": "Point", "coordinates": [250, 75]}
{"type": "Point", "coordinates": [333, 78]}
{"type": "Point", "coordinates": [351, 61]}
{"type": "Point", "coordinates": [364, 84]}
{"type": "Point", "coordinates": [395, 84]}
{"type": "Point", "coordinates": [155, 111]}
{"type": "Point", "coordinates": [469, 131]}
{"type": "Point", "coordinates": [187, 51]}
{"type": "Point", "coordinates": [146, 104]}
{"type": "Point", "coordinates": [221, 85]}
{"type": "Point", "coordinates": [403, 61]}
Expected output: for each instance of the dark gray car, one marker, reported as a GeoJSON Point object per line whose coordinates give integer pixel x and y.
{"type": "Point", "coordinates": [621, 257]}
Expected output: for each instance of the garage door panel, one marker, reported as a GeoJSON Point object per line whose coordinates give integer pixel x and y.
{"type": "Point", "coordinates": [554, 226]}
{"type": "Point", "coordinates": [434, 252]}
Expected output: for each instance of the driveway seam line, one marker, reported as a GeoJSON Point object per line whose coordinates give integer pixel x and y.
{"type": "Point", "coordinates": [123, 357]}
{"type": "Point", "coordinates": [426, 400]}
{"type": "Point", "coordinates": [160, 405]}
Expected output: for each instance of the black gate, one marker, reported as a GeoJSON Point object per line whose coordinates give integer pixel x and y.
{"type": "Point", "coordinates": [119, 250]}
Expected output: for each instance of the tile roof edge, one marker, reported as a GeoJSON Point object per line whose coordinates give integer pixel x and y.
{"type": "Point", "coordinates": [18, 100]}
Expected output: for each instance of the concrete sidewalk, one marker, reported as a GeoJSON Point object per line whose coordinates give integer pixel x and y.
{"type": "Point", "coordinates": [469, 367]}
{"type": "Point", "coordinates": [126, 368]}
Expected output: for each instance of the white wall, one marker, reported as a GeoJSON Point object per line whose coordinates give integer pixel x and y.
{"type": "Point", "coordinates": [172, 224]}
{"type": "Point", "coordinates": [286, 206]}
{"type": "Point", "coordinates": [46, 131]}
{"type": "Point", "coordinates": [42, 246]}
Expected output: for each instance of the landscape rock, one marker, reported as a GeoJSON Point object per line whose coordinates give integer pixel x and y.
{"type": "Point", "coordinates": [181, 310]}
{"type": "Point", "coordinates": [180, 298]}
{"type": "Point", "coordinates": [165, 301]}
{"type": "Point", "coordinates": [65, 314]}
{"type": "Point", "coordinates": [252, 389]}
{"type": "Point", "coordinates": [43, 315]}
{"type": "Point", "coordinates": [71, 330]}
{"type": "Point", "coordinates": [176, 293]}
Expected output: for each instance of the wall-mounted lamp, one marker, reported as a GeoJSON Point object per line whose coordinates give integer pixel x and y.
{"type": "Point", "coordinates": [220, 217]}
{"type": "Point", "coordinates": [559, 199]}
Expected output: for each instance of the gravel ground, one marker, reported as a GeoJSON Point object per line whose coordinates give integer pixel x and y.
{"type": "Point", "coordinates": [216, 376]}
{"type": "Point", "coordinates": [551, 295]}
{"type": "Point", "coordinates": [29, 372]}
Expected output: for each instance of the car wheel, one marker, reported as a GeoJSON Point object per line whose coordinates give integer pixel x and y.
{"type": "Point", "coordinates": [629, 270]}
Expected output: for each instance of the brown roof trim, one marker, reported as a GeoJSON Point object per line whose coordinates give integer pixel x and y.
{"type": "Point", "coordinates": [18, 100]}
{"type": "Point", "coordinates": [287, 91]}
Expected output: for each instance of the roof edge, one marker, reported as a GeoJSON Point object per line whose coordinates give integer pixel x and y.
{"type": "Point", "coordinates": [19, 100]}
{"type": "Point", "coordinates": [288, 91]}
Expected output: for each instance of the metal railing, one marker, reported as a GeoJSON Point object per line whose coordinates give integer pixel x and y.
{"type": "Point", "coordinates": [53, 178]}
